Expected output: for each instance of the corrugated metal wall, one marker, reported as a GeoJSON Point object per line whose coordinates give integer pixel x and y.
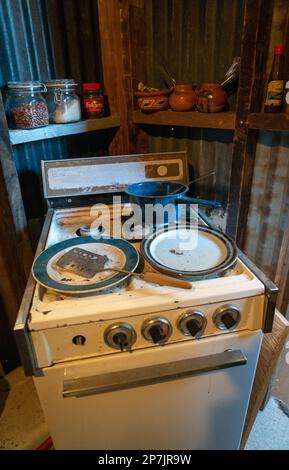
{"type": "Point", "coordinates": [42, 39]}
{"type": "Point", "coordinates": [198, 40]}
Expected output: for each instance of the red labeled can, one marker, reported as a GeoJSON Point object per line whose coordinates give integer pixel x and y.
{"type": "Point", "coordinates": [93, 101]}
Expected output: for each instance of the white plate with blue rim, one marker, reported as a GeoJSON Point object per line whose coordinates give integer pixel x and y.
{"type": "Point", "coordinates": [49, 268]}
{"type": "Point", "coordinates": [194, 252]}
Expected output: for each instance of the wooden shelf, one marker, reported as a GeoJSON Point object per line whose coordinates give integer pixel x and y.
{"type": "Point", "coordinates": [22, 136]}
{"type": "Point", "coordinates": [268, 121]}
{"type": "Point", "coordinates": [187, 119]}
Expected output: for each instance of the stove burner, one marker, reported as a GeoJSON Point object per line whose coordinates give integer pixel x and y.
{"type": "Point", "coordinates": [88, 231]}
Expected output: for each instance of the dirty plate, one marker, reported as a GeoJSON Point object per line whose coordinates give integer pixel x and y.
{"type": "Point", "coordinates": [195, 252]}
{"type": "Point", "coordinates": [49, 268]}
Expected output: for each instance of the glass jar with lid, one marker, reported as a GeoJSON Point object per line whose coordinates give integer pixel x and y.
{"type": "Point", "coordinates": [62, 101]}
{"type": "Point", "coordinates": [93, 100]}
{"type": "Point", "coordinates": [26, 106]}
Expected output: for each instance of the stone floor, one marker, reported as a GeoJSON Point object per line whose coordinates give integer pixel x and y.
{"type": "Point", "coordinates": [22, 424]}
{"type": "Point", "coordinates": [271, 429]}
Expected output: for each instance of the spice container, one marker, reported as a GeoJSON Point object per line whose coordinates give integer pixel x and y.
{"type": "Point", "coordinates": [26, 106]}
{"type": "Point", "coordinates": [62, 101]}
{"type": "Point", "coordinates": [93, 101]}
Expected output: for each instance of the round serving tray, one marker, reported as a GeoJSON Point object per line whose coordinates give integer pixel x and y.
{"type": "Point", "coordinates": [194, 252]}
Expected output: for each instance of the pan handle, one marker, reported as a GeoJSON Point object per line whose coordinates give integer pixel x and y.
{"type": "Point", "coordinates": [195, 200]}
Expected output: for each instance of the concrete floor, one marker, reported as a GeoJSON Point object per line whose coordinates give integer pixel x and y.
{"type": "Point", "coordinates": [22, 424]}
{"type": "Point", "coordinates": [271, 429]}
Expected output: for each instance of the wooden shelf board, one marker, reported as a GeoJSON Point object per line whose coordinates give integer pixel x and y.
{"type": "Point", "coordinates": [187, 119]}
{"type": "Point", "coordinates": [269, 121]}
{"type": "Point", "coordinates": [21, 136]}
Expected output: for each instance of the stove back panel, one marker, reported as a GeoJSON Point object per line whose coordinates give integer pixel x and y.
{"type": "Point", "coordinates": [66, 180]}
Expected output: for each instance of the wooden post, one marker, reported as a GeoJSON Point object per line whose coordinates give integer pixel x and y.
{"type": "Point", "coordinates": [9, 181]}
{"type": "Point", "coordinates": [254, 47]}
{"type": "Point", "coordinates": [117, 22]}
{"type": "Point", "coordinates": [282, 272]}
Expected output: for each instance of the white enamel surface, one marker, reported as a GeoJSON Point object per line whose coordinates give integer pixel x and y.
{"type": "Point", "coordinates": [105, 174]}
{"type": "Point", "coordinates": [55, 345]}
{"type": "Point", "coordinates": [188, 413]}
{"type": "Point", "coordinates": [131, 298]}
{"type": "Point", "coordinates": [116, 259]}
{"type": "Point", "coordinates": [204, 411]}
{"type": "Point", "coordinates": [188, 250]}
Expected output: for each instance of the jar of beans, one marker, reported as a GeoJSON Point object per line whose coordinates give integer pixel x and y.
{"type": "Point", "coordinates": [26, 106]}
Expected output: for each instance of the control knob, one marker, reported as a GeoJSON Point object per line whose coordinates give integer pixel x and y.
{"type": "Point", "coordinates": [157, 330]}
{"type": "Point", "coordinates": [192, 323]}
{"type": "Point", "coordinates": [227, 317]}
{"type": "Point", "coordinates": [120, 336]}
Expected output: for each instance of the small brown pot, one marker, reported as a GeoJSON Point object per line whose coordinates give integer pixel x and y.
{"type": "Point", "coordinates": [212, 98]}
{"type": "Point", "coordinates": [183, 98]}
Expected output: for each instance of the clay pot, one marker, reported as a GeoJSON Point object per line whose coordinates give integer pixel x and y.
{"type": "Point", "coordinates": [183, 98]}
{"type": "Point", "coordinates": [212, 98]}
{"type": "Point", "coordinates": [153, 101]}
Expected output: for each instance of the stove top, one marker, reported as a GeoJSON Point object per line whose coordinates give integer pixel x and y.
{"type": "Point", "coordinates": [132, 295]}
{"type": "Point", "coordinates": [53, 328]}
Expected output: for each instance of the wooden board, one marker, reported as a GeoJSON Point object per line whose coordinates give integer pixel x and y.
{"type": "Point", "coordinates": [270, 122]}
{"type": "Point", "coordinates": [21, 136]}
{"type": "Point", "coordinates": [137, 47]}
{"type": "Point", "coordinates": [187, 119]}
{"type": "Point", "coordinates": [270, 351]}
{"type": "Point", "coordinates": [116, 69]}
{"type": "Point", "coordinates": [14, 204]}
{"type": "Point", "coordinates": [282, 272]}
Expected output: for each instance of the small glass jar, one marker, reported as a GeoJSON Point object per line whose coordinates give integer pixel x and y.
{"type": "Point", "coordinates": [62, 101]}
{"type": "Point", "coordinates": [26, 106]}
{"type": "Point", "coordinates": [93, 100]}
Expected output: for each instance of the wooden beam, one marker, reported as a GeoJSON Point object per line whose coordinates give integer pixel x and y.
{"type": "Point", "coordinates": [122, 36]}
{"type": "Point", "coordinates": [15, 248]}
{"type": "Point", "coordinates": [187, 119]}
{"type": "Point", "coordinates": [254, 47]}
{"type": "Point", "coordinates": [116, 82]}
{"type": "Point", "coordinates": [138, 54]}
{"type": "Point", "coordinates": [9, 181]}
{"type": "Point", "coordinates": [282, 272]}
{"type": "Point", "coordinates": [270, 122]}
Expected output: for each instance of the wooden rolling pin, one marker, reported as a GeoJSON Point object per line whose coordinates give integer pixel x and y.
{"type": "Point", "coordinates": [155, 278]}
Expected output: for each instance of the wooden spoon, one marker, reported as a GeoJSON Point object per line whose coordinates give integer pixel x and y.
{"type": "Point", "coordinates": [155, 278]}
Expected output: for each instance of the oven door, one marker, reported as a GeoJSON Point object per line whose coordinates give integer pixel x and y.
{"type": "Point", "coordinates": [190, 395]}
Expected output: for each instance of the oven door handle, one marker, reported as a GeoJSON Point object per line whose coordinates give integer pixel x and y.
{"type": "Point", "coordinates": [142, 376]}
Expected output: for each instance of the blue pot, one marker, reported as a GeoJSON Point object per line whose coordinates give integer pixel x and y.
{"type": "Point", "coordinates": [160, 192]}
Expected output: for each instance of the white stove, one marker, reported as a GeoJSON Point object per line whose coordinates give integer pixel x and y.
{"type": "Point", "coordinates": [183, 380]}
